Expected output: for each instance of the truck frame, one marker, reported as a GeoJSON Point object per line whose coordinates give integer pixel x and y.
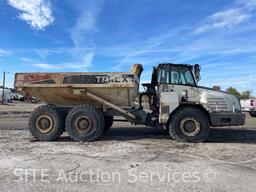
{"type": "Point", "coordinates": [84, 104]}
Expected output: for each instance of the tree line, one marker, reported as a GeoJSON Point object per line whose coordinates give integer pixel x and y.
{"type": "Point", "coordinates": [243, 95]}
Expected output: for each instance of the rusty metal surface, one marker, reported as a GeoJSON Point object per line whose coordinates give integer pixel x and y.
{"type": "Point", "coordinates": [66, 89]}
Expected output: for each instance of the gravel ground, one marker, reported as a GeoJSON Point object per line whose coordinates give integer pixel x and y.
{"type": "Point", "coordinates": [127, 158]}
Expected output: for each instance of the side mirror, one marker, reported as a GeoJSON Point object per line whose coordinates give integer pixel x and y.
{"type": "Point", "coordinates": [197, 69]}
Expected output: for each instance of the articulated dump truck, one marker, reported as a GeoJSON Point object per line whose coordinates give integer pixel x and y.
{"type": "Point", "coordinates": [84, 104]}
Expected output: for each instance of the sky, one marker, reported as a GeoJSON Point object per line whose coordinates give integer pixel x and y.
{"type": "Point", "coordinates": [111, 35]}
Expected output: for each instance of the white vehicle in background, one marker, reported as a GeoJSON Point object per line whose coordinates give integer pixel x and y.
{"type": "Point", "coordinates": [17, 97]}
{"type": "Point", "coordinates": [7, 95]}
{"type": "Point", "coordinates": [249, 105]}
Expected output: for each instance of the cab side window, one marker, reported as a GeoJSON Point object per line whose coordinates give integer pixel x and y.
{"type": "Point", "coordinates": [181, 76]}
{"type": "Point", "coordinates": [164, 76]}
{"type": "Point", "coordinates": [178, 75]}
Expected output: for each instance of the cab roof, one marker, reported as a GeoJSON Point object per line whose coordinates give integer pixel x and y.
{"type": "Point", "coordinates": [166, 65]}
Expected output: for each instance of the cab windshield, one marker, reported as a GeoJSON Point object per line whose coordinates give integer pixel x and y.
{"type": "Point", "coordinates": [179, 75]}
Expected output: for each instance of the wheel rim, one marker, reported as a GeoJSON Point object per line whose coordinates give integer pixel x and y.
{"type": "Point", "coordinates": [190, 127]}
{"type": "Point", "coordinates": [83, 124]}
{"type": "Point", "coordinates": [44, 123]}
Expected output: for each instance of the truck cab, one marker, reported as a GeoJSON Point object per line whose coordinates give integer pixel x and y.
{"type": "Point", "coordinates": [186, 109]}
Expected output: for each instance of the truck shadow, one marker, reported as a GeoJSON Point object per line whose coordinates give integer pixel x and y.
{"type": "Point", "coordinates": [217, 135]}
{"type": "Point", "coordinates": [232, 135]}
{"type": "Point", "coordinates": [134, 133]}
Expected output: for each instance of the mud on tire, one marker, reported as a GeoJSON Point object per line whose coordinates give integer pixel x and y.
{"type": "Point", "coordinates": [46, 123]}
{"type": "Point", "coordinates": [85, 123]}
{"type": "Point", "coordinates": [189, 124]}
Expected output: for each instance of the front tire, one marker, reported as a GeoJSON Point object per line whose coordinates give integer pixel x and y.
{"type": "Point", "coordinates": [189, 124]}
{"type": "Point", "coordinates": [85, 123]}
{"type": "Point", "coordinates": [46, 123]}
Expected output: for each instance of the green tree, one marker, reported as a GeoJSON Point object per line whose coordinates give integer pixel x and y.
{"type": "Point", "coordinates": [233, 91]}
{"type": "Point", "coordinates": [246, 95]}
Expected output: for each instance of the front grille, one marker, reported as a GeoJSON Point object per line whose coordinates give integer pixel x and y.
{"type": "Point", "coordinates": [217, 104]}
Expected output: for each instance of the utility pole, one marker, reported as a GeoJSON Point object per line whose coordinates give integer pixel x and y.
{"type": "Point", "coordinates": [3, 88]}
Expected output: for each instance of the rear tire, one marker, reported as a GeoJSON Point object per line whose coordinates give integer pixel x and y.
{"type": "Point", "coordinates": [46, 123]}
{"type": "Point", "coordinates": [189, 124]}
{"type": "Point", "coordinates": [253, 113]}
{"type": "Point", "coordinates": [85, 123]}
{"type": "Point", "coordinates": [108, 122]}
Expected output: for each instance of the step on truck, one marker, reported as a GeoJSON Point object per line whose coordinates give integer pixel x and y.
{"type": "Point", "coordinates": [84, 104]}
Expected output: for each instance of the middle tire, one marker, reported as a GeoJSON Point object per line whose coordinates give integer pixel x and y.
{"type": "Point", "coordinates": [85, 123]}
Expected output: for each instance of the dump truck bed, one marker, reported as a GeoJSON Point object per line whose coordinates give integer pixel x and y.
{"type": "Point", "coordinates": [68, 89]}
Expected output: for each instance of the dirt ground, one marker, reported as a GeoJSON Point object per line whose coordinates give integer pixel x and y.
{"type": "Point", "coordinates": [17, 107]}
{"type": "Point", "coordinates": [127, 158]}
